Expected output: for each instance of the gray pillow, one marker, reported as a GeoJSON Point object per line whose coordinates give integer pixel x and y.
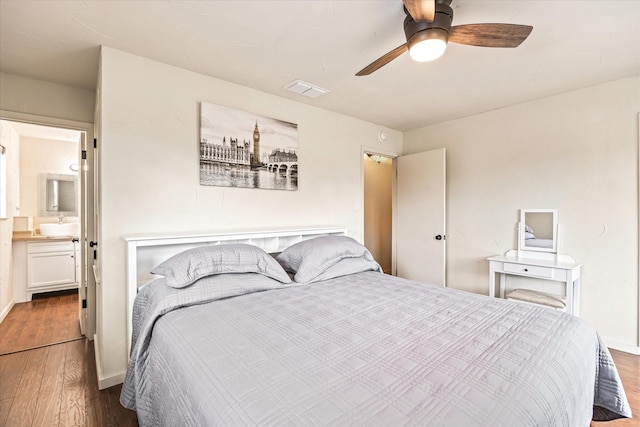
{"type": "Point", "coordinates": [186, 267]}
{"type": "Point", "coordinates": [310, 258]}
{"type": "Point", "coordinates": [347, 266]}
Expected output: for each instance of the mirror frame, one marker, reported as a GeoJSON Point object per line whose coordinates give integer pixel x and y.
{"type": "Point", "coordinates": [521, 231]}
{"type": "Point", "coordinates": [42, 200]}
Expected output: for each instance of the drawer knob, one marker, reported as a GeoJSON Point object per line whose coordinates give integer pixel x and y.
{"type": "Point", "coordinates": [526, 269]}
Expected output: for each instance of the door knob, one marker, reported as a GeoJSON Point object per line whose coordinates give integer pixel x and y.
{"type": "Point", "coordinates": [440, 237]}
{"type": "Point", "coordinates": [92, 244]}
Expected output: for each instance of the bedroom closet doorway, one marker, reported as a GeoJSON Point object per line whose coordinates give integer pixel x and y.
{"type": "Point", "coordinates": [378, 208]}
{"type": "Point", "coordinates": [75, 164]}
{"type": "Point", "coordinates": [404, 213]}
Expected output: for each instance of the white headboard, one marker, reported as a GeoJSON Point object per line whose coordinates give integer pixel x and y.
{"type": "Point", "coordinates": [145, 251]}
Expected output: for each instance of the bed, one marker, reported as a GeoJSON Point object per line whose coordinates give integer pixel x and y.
{"type": "Point", "coordinates": [318, 335]}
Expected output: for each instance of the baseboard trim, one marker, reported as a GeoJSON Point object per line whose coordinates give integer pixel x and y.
{"type": "Point", "coordinates": [6, 311]}
{"type": "Point", "coordinates": [103, 381]}
{"type": "Point", "coordinates": [617, 345]}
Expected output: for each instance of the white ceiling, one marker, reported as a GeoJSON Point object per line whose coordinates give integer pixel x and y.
{"type": "Point", "coordinates": [267, 44]}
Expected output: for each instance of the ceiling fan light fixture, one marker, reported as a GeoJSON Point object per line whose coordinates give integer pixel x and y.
{"type": "Point", "coordinates": [427, 36]}
{"type": "Point", "coordinates": [428, 44]}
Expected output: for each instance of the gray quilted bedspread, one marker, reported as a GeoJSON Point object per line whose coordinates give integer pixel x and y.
{"type": "Point", "coordinates": [366, 349]}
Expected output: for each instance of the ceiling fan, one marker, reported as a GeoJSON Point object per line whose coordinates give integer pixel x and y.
{"type": "Point", "coordinates": [427, 28]}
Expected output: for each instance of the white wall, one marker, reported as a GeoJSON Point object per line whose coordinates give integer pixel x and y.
{"type": "Point", "coordinates": [149, 115]}
{"type": "Point", "coordinates": [36, 97]}
{"type": "Point", "coordinates": [576, 152]}
{"type": "Point", "coordinates": [38, 156]}
{"type": "Point", "coordinates": [11, 141]}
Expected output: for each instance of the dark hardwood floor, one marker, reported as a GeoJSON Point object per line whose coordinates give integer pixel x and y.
{"type": "Point", "coordinates": [52, 384]}
{"type": "Point", "coordinates": [56, 385]}
{"type": "Point", "coordinates": [629, 369]}
{"type": "Point", "coordinates": [47, 319]}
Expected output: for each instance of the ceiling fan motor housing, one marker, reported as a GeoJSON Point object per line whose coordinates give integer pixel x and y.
{"type": "Point", "coordinates": [416, 31]}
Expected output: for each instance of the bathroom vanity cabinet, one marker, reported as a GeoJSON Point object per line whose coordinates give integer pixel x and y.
{"type": "Point", "coordinates": [44, 266]}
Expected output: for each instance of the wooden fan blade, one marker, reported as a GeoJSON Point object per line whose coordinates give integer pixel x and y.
{"type": "Point", "coordinates": [421, 10]}
{"type": "Point", "coordinates": [490, 35]}
{"type": "Point", "coordinates": [383, 60]}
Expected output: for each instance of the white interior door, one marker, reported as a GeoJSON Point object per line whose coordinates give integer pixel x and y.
{"type": "Point", "coordinates": [81, 277]}
{"type": "Point", "coordinates": [95, 229]}
{"type": "Point", "coordinates": [88, 284]}
{"type": "Point", "coordinates": [420, 217]}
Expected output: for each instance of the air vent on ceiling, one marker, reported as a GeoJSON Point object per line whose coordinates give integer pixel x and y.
{"type": "Point", "coordinates": [306, 89]}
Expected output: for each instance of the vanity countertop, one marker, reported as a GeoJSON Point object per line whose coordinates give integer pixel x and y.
{"type": "Point", "coordinates": [26, 237]}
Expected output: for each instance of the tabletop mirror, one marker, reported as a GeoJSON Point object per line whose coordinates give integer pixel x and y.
{"type": "Point", "coordinates": [538, 230]}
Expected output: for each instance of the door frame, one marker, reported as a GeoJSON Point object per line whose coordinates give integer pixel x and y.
{"type": "Point", "coordinates": [88, 129]}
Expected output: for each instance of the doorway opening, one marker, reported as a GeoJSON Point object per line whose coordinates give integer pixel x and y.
{"type": "Point", "coordinates": [378, 208]}
{"type": "Point", "coordinates": [47, 155]}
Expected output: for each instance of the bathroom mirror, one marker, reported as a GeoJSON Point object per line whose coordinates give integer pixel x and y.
{"type": "Point", "coordinates": [538, 230]}
{"type": "Point", "coordinates": [58, 195]}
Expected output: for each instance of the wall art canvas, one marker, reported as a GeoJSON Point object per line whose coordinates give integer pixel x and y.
{"type": "Point", "coordinates": [246, 150]}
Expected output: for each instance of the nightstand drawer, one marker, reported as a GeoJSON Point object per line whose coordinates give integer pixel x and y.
{"type": "Point", "coordinates": [529, 270]}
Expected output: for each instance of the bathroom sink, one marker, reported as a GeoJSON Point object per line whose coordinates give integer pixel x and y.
{"type": "Point", "coordinates": [65, 229]}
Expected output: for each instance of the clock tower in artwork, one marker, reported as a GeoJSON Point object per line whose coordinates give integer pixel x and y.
{"type": "Point", "coordinates": [256, 146]}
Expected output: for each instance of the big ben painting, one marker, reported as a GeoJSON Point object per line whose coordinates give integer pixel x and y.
{"type": "Point", "coordinates": [245, 150]}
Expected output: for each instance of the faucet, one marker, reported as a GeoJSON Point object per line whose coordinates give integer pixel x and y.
{"type": "Point", "coordinates": [60, 218]}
